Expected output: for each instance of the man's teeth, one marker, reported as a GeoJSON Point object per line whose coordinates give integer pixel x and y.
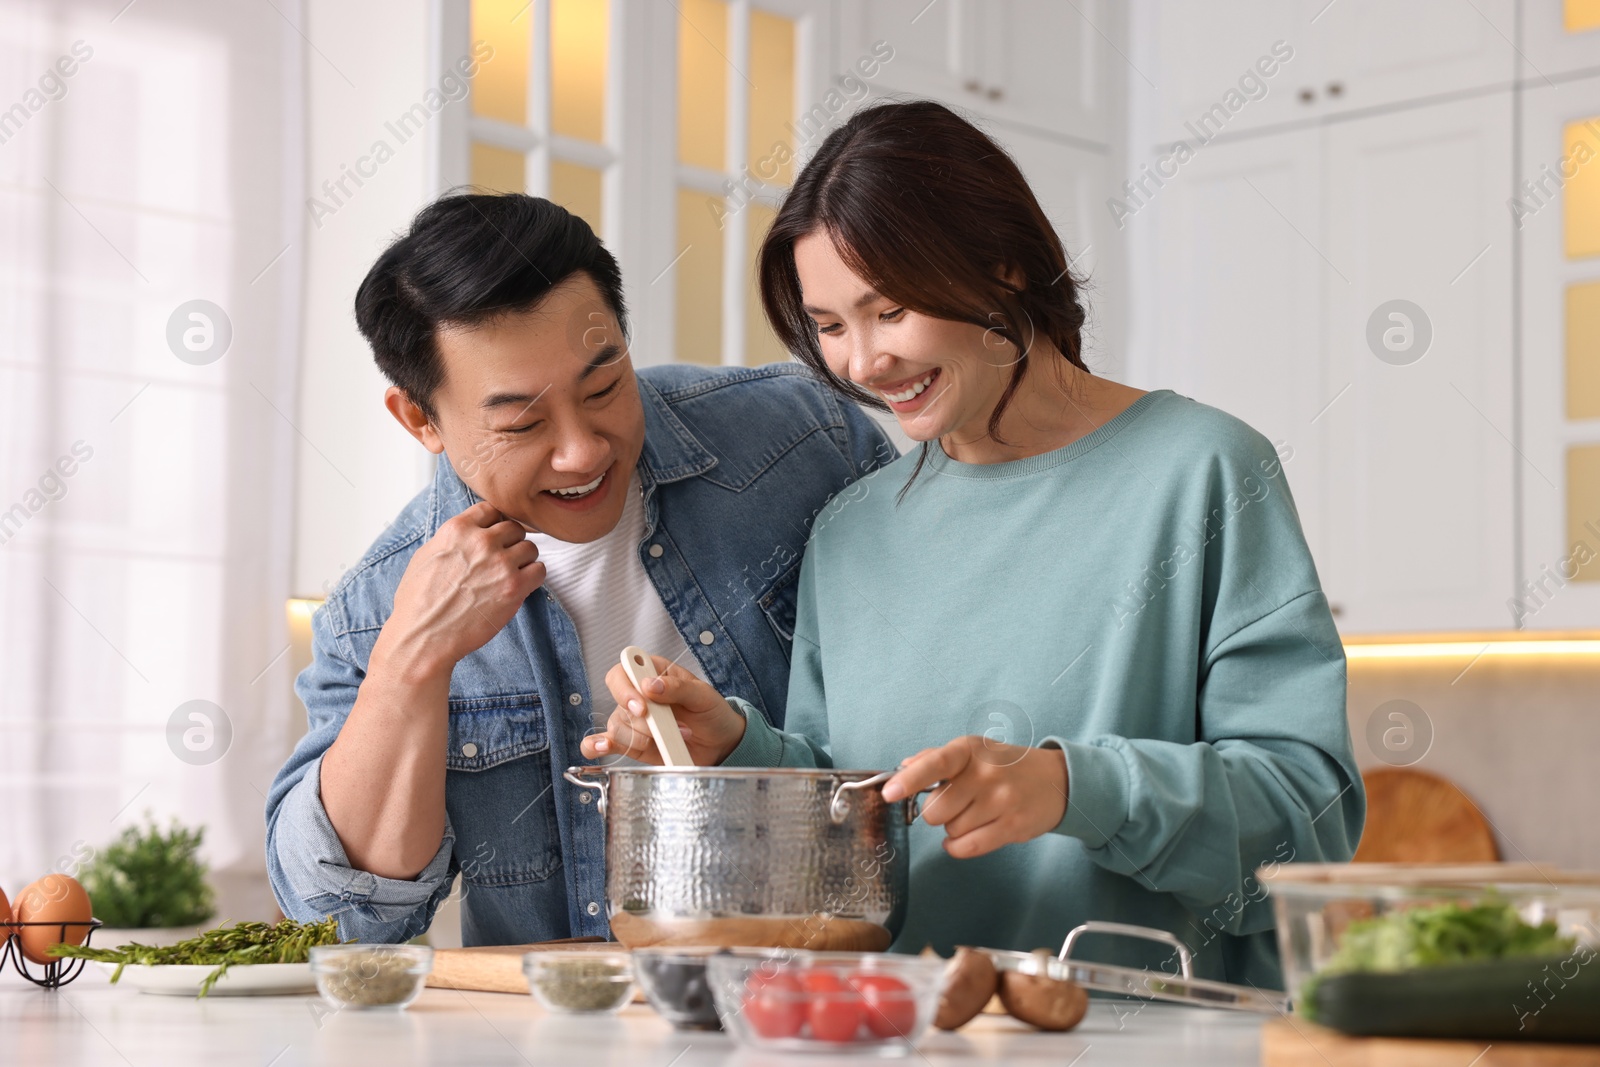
{"type": "Point", "coordinates": [913, 392]}
{"type": "Point", "coordinates": [581, 490]}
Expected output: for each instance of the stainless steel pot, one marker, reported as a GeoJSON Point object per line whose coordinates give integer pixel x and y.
{"type": "Point", "coordinates": [783, 857]}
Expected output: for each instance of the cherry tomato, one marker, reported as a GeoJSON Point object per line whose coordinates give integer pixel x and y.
{"type": "Point", "coordinates": [887, 1004]}
{"type": "Point", "coordinates": [833, 1008]}
{"type": "Point", "coordinates": [775, 1005]}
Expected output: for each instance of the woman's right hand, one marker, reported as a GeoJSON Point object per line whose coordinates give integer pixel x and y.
{"type": "Point", "coordinates": [711, 728]}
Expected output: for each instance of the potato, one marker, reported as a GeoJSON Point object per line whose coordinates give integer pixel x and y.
{"type": "Point", "coordinates": [970, 979]}
{"type": "Point", "coordinates": [1048, 1003]}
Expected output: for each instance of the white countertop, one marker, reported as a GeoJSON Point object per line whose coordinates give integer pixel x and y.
{"type": "Point", "coordinates": [92, 1022]}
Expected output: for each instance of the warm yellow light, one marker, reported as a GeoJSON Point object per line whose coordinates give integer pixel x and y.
{"type": "Point", "coordinates": [303, 607]}
{"type": "Point", "coordinates": [1468, 649]}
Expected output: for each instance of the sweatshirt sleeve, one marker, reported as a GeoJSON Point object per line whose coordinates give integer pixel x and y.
{"type": "Point", "coordinates": [1270, 776]}
{"type": "Point", "coordinates": [805, 743]}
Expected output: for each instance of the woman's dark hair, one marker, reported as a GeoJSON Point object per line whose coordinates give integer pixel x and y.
{"type": "Point", "coordinates": [935, 216]}
{"type": "Point", "coordinates": [467, 259]}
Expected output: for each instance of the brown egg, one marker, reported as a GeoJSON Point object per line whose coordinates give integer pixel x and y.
{"type": "Point", "coordinates": [55, 899]}
{"type": "Point", "coordinates": [5, 917]}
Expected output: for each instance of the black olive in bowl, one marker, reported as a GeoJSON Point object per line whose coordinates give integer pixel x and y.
{"type": "Point", "coordinates": [673, 977]}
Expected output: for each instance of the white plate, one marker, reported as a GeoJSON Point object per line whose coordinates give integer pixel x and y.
{"type": "Point", "coordinates": [183, 979]}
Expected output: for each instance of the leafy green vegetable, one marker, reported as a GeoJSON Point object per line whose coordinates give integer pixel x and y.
{"type": "Point", "coordinates": [226, 946]}
{"type": "Point", "coordinates": [146, 878]}
{"type": "Point", "coordinates": [1436, 934]}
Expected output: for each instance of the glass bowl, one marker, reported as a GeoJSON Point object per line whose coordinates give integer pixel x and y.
{"type": "Point", "coordinates": [580, 983]}
{"type": "Point", "coordinates": [781, 1000]}
{"type": "Point", "coordinates": [1316, 905]}
{"type": "Point", "coordinates": [674, 981]}
{"type": "Point", "coordinates": [362, 977]}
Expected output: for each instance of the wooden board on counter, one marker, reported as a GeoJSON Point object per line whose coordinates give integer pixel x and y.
{"type": "Point", "coordinates": [1298, 1043]}
{"type": "Point", "coordinates": [498, 968]}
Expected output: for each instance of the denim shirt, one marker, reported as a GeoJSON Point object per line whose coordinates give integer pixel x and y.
{"type": "Point", "coordinates": [736, 465]}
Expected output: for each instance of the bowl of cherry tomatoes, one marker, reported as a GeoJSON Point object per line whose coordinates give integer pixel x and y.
{"type": "Point", "coordinates": [784, 1000]}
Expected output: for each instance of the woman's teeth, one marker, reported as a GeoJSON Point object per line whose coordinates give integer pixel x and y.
{"type": "Point", "coordinates": [577, 491]}
{"type": "Point", "coordinates": [912, 393]}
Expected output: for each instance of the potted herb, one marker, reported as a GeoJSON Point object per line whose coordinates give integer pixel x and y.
{"type": "Point", "coordinates": [149, 886]}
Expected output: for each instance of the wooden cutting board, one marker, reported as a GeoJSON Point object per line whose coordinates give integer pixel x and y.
{"type": "Point", "coordinates": [498, 968]}
{"type": "Point", "coordinates": [1298, 1043]}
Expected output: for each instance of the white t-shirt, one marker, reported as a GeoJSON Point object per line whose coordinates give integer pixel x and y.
{"type": "Point", "coordinates": [612, 601]}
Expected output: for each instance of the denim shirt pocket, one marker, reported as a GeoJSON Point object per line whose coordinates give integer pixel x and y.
{"type": "Point", "coordinates": [499, 793]}
{"type": "Point", "coordinates": [779, 602]}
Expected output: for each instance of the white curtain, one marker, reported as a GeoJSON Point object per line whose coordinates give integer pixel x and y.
{"type": "Point", "coordinates": [150, 157]}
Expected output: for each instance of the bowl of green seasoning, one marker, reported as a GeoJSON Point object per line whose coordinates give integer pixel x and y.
{"type": "Point", "coordinates": [581, 983]}
{"type": "Point", "coordinates": [357, 976]}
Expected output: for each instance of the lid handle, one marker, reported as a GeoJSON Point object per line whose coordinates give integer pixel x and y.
{"type": "Point", "coordinates": [1149, 933]}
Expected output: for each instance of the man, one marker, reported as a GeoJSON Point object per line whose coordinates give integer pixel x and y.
{"type": "Point", "coordinates": [578, 507]}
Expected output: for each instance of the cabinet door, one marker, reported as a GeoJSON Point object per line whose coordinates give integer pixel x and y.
{"type": "Point", "coordinates": [1420, 472]}
{"type": "Point", "coordinates": [1070, 184]}
{"type": "Point", "coordinates": [1206, 79]}
{"type": "Point", "coordinates": [935, 54]}
{"type": "Point", "coordinates": [1560, 362]}
{"type": "Point", "coordinates": [1045, 64]}
{"type": "Point", "coordinates": [1559, 37]}
{"type": "Point", "coordinates": [1235, 320]}
{"type": "Point", "coordinates": [1378, 52]}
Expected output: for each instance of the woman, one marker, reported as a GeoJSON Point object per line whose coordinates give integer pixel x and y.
{"type": "Point", "coordinates": [1089, 611]}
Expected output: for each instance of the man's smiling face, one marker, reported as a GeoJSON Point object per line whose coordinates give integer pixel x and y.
{"type": "Point", "coordinates": [539, 412]}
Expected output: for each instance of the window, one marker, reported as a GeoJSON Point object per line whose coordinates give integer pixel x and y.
{"type": "Point", "coordinates": [1581, 380]}
{"type": "Point", "coordinates": [670, 128]}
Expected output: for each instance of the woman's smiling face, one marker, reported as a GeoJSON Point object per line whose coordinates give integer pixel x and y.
{"type": "Point", "coordinates": [938, 376]}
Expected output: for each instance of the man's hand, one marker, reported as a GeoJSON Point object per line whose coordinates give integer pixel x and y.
{"type": "Point", "coordinates": [462, 587]}
{"type": "Point", "coordinates": [710, 727]}
{"type": "Point", "coordinates": [993, 794]}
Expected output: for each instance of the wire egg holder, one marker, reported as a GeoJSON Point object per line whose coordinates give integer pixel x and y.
{"type": "Point", "coordinates": [58, 972]}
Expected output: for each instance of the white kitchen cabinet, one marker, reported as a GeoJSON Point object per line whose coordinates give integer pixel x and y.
{"type": "Point", "coordinates": [1343, 55]}
{"type": "Point", "coordinates": [1551, 50]}
{"type": "Point", "coordinates": [1070, 184]}
{"type": "Point", "coordinates": [1236, 313]}
{"type": "Point", "coordinates": [1550, 599]}
{"type": "Point", "coordinates": [1040, 64]}
{"type": "Point", "coordinates": [1270, 256]}
{"type": "Point", "coordinates": [1419, 490]}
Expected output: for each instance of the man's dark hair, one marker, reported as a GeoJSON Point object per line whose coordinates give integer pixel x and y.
{"type": "Point", "coordinates": [467, 259]}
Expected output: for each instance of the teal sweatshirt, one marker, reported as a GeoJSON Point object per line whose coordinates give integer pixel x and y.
{"type": "Point", "coordinates": [1142, 599]}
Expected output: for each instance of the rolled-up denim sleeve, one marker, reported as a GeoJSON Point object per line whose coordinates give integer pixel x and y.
{"type": "Point", "coordinates": [310, 873]}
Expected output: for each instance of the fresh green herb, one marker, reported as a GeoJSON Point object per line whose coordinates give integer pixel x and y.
{"type": "Point", "coordinates": [146, 878]}
{"type": "Point", "coordinates": [226, 946]}
{"type": "Point", "coordinates": [1436, 934]}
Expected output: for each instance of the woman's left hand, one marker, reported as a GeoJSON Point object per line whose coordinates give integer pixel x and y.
{"type": "Point", "coordinates": [993, 795]}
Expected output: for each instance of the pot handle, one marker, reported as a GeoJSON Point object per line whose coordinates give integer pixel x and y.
{"type": "Point", "coordinates": [1149, 933]}
{"type": "Point", "coordinates": [572, 774]}
{"type": "Point", "coordinates": [839, 805]}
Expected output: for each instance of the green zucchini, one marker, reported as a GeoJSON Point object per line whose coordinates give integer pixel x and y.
{"type": "Point", "coordinates": [1544, 998]}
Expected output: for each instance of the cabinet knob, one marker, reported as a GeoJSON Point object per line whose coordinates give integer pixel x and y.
{"type": "Point", "coordinates": [1307, 95]}
{"type": "Point", "coordinates": [1335, 88]}
{"type": "Point", "coordinates": [993, 92]}
{"type": "Point", "coordinates": [971, 85]}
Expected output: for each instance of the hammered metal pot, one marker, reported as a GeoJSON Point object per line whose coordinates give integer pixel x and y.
{"type": "Point", "coordinates": [784, 857]}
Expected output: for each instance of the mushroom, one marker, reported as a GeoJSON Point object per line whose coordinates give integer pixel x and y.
{"type": "Point", "coordinates": [970, 979]}
{"type": "Point", "coordinates": [1047, 1003]}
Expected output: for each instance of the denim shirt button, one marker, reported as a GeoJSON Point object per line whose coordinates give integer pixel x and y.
{"type": "Point", "coordinates": [656, 551]}
{"type": "Point", "coordinates": [575, 699]}
{"type": "Point", "coordinates": [593, 908]}
{"type": "Point", "coordinates": [583, 798]}
{"type": "Point", "coordinates": [469, 750]}
{"type": "Point", "coordinates": [706, 637]}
